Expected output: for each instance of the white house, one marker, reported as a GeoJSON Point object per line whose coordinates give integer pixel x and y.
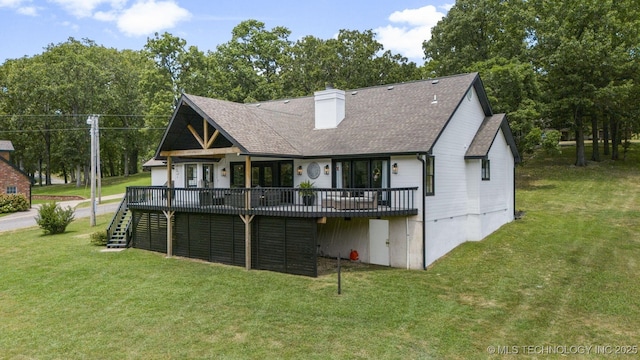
{"type": "Point", "coordinates": [403, 174]}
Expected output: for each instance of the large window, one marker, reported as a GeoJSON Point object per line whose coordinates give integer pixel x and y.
{"type": "Point", "coordinates": [361, 173]}
{"type": "Point", "coordinates": [264, 174]}
{"type": "Point", "coordinates": [429, 176]}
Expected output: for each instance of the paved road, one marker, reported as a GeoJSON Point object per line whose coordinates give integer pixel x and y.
{"type": "Point", "coordinates": [25, 219]}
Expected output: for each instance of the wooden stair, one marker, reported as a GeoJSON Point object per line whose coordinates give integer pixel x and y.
{"type": "Point", "coordinates": [118, 232]}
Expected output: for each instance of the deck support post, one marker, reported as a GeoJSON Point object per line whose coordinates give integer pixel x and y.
{"type": "Point", "coordinates": [169, 215]}
{"type": "Point", "coordinates": [247, 218]}
{"type": "Point", "coordinates": [169, 181]}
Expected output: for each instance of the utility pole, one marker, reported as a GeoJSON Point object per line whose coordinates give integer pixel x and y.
{"type": "Point", "coordinates": [93, 121]}
{"type": "Point", "coordinates": [98, 161]}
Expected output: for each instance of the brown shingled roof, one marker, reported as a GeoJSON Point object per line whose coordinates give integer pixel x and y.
{"type": "Point", "coordinates": [398, 118]}
{"type": "Point", "coordinates": [484, 137]}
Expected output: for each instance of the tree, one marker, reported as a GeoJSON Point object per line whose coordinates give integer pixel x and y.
{"type": "Point", "coordinates": [250, 64]}
{"type": "Point", "coordinates": [476, 31]}
{"type": "Point", "coordinates": [585, 47]}
{"type": "Point", "coordinates": [354, 59]}
{"type": "Point", "coordinates": [512, 88]}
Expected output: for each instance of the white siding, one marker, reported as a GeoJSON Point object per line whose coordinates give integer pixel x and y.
{"type": "Point", "coordinates": [339, 236]}
{"type": "Point", "coordinates": [464, 207]}
{"type": "Point", "coordinates": [409, 175]}
{"type": "Point", "coordinates": [446, 212]}
{"type": "Point", "coordinates": [450, 199]}
{"type": "Point", "coordinates": [158, 176]}
{"type": "Point", "coordinates": [496, 195]}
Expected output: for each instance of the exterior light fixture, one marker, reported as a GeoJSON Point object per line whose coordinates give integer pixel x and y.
{"type": "Point", "coordinates": [326, 169]}
{"type": "Point", "coordinates": [394, 168]}
{"type": "Point", "coordinates": [299, 169]}
{"type": "Point", "coordinates": [224, 171]}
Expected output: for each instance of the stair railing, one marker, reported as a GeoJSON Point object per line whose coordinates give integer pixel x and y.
{"type": "Point", "coordinates": [116, 217]}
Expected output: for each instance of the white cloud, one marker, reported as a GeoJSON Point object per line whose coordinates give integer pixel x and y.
{"type": "Point", "coordinates": [143, 17]}
{"type": "Point", "coordinates": [149, 16]}
{"type": "Point", "coordinates": [71, 25]}
{"type": "Point", "coordinates": [10, 3]}
{"type": "Point", "coordinates": [409, 29]}
{"type": "Point", "coordinates": [28, 10]}
{"type": "Point", "coordinates": [105, 15]}
{"type": "Point", "coordinates": [20, 6]}
{"type": "Point", "coordinates": [447, 7]}
{"type": "Point", "coordinates": [85, 8]}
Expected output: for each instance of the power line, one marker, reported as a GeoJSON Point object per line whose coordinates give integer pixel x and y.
{"type": "Point", "coordinates": [78, 129]}
{"type": "Point", "coordinates": [80, 115]}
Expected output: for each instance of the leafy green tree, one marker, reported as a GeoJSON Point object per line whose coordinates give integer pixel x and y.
{"type": "Point", "coordinates": [476, 31]}
{"type": "Point", "coordinates": [584, 47]}
{"type": "Point", "coordinates": [249, 65]}
{"type": "Point", "coordinates": [353, 60]}
{"type": "Point", "coordinates": [512, 88]}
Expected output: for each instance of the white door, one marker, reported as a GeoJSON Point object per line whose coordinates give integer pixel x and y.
{"type": "Point", "coordinates": [379, 242]}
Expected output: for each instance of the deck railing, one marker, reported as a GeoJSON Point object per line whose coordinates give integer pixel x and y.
{"type": "Point", "coordinates": [277, 201]}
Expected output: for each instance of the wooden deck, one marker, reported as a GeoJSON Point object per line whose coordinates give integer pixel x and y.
{"type": "Point", "coordinates": [280, 202]}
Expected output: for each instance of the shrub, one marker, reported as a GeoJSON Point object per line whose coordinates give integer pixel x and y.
{"type": "Point", "coordinates": [13, 202]}
{"type": "Point", "coordinates": [99, 238]}
{"type": "Point", "coordinates": [53, 219]}
{"type": "Point", "coordinates": [551, 142]}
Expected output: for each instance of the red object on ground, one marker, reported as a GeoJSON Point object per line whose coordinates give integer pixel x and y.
{"type": "Point", "coordinates": [354, 255]}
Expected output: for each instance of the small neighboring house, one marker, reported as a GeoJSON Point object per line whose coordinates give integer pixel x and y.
{"type": "Point", "coordinates": [12, 179]}
{"type": "Point", "coordinates": [402, 174]}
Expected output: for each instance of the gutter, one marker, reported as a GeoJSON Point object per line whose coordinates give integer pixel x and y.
{"type": "Point", "coordinates": [424, 203]}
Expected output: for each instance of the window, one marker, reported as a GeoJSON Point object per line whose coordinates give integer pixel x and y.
{"type": "Point", "coordinates": [191, 179]}
{"type": "Point", "coordinates": [486, 169]}
{"type": "Point", "coordinates": [12, 190]}
{"type": "Point", "coordinates": [207, 175]}
{"type": "Point", "coordinates": [361, 173]}
{"type": "Point", "coordinates": [264, 174]}
{"type": "Point", "coordinates": [429, 177]}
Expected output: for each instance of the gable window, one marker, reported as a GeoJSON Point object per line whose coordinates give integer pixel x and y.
{"type": "Point", "coordinates": [12, 190]}
{"type": "Point", "coordinates": [486, 169]}
{"type": "Point", "coordinates": [429, 177]}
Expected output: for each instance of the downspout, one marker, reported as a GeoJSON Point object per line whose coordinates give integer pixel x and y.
{"type": "Point", "coordinates": [424, 203]}
{"type": "Point", "coordinates": [407, 240]}
{"type": "Point", "coordinates": [514, 192]}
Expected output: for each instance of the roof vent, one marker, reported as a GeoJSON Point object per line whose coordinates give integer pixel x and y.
{"type": "Point", "coordinates": [434, 82]}
{"type": "Point", "coordinates": [286, 101]}
{"type": "Point", "coordinates": [435, 99]}
{"type": "Point", "coordinates": [390, 88]}
{"type": "Point", "coordinates": [258, 105]}
{"type": "Point", "coordinates": [354, 93]}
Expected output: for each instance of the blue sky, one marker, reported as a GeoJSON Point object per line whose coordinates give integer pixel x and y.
{"type": "Point", "coordinates": [28, 26]}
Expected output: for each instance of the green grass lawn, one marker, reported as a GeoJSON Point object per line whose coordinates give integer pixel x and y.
{"type": "Point", "coordinates": [566, 274]}
{"type": "Point", "coordinates": [110, 186]}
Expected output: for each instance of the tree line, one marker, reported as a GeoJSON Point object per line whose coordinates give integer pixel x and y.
{"type": "Point", "coordinates": [569, 65]}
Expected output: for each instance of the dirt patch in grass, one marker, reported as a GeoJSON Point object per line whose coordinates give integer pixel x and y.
{"type": "Point", "coordinates": [57, 197]}
{"type": "Point", "coordinates": [328, 266]}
